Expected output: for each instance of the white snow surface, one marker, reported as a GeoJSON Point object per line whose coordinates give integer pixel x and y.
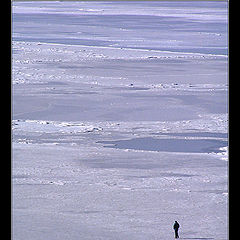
{"type": "Point", "coordinates": [119, 120]}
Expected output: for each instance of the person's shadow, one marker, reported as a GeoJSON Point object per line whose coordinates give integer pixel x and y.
{"type": "Point", "coordinates": [200, 238]}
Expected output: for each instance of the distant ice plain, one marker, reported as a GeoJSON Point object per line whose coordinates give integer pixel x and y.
{"type": "Point", "coordinates": [86, 74]}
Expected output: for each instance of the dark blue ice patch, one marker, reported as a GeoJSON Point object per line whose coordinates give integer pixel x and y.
{"type": "Point", "coordinates": [169, 145]}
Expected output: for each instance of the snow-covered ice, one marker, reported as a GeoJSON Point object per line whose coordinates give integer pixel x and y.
{"type": "Point", "coordinates": [119, 120]}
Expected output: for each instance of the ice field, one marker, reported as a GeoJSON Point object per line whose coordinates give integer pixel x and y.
{"type": "Point", "coordinates": [119, 120]}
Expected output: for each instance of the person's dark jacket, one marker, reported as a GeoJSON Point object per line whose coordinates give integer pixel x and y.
{"type": "Point", "coordinates": [176, 226]}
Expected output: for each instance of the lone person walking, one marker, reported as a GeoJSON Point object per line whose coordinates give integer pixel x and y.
{"type": "Point", "coordinates": [176, 227]}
